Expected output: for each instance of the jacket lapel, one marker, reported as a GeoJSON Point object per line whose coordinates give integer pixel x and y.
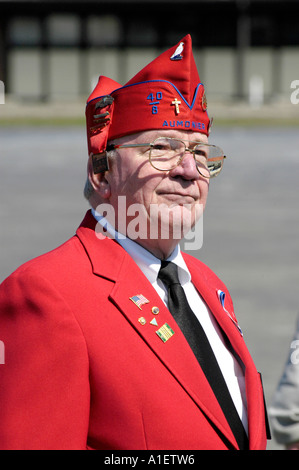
{"type": "Point", "coordinates": [172, 349]}
{"type": "Point", "coordinates": [255, 407]}
{"type": "Point", "coordinates": [109, 260]}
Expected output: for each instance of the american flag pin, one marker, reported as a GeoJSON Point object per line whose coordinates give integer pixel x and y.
{"type": "Point", "coordinates": [139, 300]}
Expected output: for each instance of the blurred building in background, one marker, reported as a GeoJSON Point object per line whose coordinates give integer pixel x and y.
{"type": "Point", "coordinates": [245, 49]}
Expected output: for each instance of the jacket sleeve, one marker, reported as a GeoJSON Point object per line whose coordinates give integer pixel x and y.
{"type": "Point", "coordinates": [44, 386]}
{"type": "Point", "coordinates": [284, 411]}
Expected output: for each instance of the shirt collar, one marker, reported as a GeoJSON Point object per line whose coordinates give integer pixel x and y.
{"type": "Point", "coordinates": [146, 261]}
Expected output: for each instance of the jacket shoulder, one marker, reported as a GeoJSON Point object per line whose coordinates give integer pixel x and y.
{"type": "Point", "coordinates": [207, 273]}
{"type": "Point", "coordinates": [57, 260]}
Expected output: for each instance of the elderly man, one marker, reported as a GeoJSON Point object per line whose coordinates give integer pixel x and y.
{"type": "Point", "coordinates": [117, 340]}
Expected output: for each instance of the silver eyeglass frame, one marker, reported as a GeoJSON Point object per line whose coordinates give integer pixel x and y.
{"type": "Point", "coordinates": [187, 149]}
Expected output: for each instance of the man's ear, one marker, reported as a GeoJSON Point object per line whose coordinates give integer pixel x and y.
{"type": "Point", "coordinates": [98, 180]}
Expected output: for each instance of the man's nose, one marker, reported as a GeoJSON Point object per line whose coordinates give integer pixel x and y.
{"type": "Point", "coordinates": [187, 168]}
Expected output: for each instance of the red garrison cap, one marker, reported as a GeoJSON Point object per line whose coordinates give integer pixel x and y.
{"type": "Point", "coordinates": [165, 94]}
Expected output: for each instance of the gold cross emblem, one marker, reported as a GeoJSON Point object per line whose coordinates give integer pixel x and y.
{"type": "Point", "coordinates": [176, 103]}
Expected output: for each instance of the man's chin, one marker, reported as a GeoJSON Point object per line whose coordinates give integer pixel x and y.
{"type": "Point", "coordinates": [172, 223]}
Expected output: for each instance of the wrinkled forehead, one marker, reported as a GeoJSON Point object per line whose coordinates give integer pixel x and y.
{"type": "Point", "coordinates": [150, 136]}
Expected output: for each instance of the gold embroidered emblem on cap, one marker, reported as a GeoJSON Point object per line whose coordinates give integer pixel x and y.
{"type": "Point", "coordinates": [176, 103]}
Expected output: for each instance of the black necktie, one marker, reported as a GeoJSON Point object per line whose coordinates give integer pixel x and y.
{"type": "Point", "coordinates": [198, 341]}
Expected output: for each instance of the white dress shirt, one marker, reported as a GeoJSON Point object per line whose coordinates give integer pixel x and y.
{"type": "Point", "coordinates": [150, 266]}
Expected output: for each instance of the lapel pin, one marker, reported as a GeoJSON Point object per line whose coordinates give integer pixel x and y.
{"type": "Point", "coordinates": [221, 297]}
{"type": "Point", "coordinates": [142, 320]}
{"type": "Point", "coordinates": [155, 310]}
{"type": "Point", "coordinates": [154, 322]}
{"type": "Point", "coordinates": [139, 300]}
{"type": "Point", "coordinates": [165, 332]}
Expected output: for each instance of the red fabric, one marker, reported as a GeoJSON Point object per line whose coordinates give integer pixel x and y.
{"type": "Point", "coordinates": [81, 372]}
{"type": "Point", "coordinates": [147, 101]}
{"type": "Point", "coordinates": [98, 132]}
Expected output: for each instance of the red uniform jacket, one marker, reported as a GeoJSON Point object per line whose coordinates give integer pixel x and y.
{"type": "Point", "coordinates": [82, 372]}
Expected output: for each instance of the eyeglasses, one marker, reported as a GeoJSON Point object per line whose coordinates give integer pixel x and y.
{"type": "Point", "coordinates": [166, 153]}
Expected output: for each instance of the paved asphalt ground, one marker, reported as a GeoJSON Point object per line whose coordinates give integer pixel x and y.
{"type": "Point", "coordinates": [250, 225]}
